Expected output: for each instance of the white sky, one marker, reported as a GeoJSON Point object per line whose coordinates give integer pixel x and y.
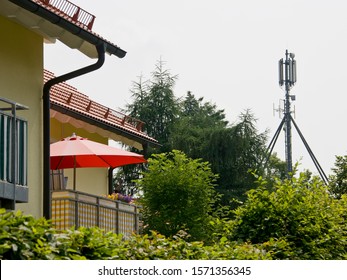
{"type": "Point", "coordinates": [227, 51]}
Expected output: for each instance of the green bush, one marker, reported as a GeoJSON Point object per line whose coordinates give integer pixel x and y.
{"type": "Point", "coordinates": [305, 219]}
{"type": "Point", "coordinates": [23, 237]}
{"type": "Point", "coordinates": [298, 220]}
{"type": "Point", "coordinates": [178, 193]}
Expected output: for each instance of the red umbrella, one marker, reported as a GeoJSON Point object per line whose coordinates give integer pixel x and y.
{"type": "Point", "coordinates": [77, 152]}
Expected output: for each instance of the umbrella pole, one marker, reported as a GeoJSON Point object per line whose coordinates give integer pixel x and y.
{"type": "Point", "coordinates": [74, 174]}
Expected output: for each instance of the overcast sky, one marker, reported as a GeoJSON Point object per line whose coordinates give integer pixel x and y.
{"type": "Point", "coordinates": [227, 52]}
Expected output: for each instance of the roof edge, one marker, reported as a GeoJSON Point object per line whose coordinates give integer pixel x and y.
{"type": "Point", "coordinates": [69, 26]}
{"type": "Point", "coordinates": [118, 130]}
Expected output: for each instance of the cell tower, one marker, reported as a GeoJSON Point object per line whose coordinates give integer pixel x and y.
{"type": "Point", "coordinates": [287, 79]}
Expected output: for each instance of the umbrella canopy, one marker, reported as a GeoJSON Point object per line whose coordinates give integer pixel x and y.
{"type": "Point", "coordinates": [77, 152]}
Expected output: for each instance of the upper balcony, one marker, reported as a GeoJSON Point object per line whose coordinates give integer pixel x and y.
{"type": "Point", "coordinates": [71, 11]}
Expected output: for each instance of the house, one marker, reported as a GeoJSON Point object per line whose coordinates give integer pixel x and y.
{"type": "Point", "coordinates": [37, 108]}
{"type": "Point", "coordinates": [74, 112]}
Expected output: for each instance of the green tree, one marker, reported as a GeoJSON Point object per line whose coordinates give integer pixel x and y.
{"type": "Point", "coordinates": [155, 104]}
{"type": "Point", "coordinates": [197, 120]}
{"type": "Point", "coordinates": [338, 181]}
{"type": "Point", "coordinates": [233, 152]}
{"type": "Point", "coordinates": [276, 168]}
{"type": "Point", "coordinates": [203, 132]}
{"type": "Point", "coordinates": [200, 130]}
{"type": "Point", "coordinates": [178, 193]}
{"type": "Point", "coordinates": [299, 211]}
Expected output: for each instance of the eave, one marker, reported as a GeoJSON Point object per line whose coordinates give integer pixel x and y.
{"type": "Point", "coordinates": [33, 14]}
{"type": "Point", "coordinates": [68, 105]}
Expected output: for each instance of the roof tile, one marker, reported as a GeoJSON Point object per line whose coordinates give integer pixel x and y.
{"type": "Point", "coordinates": [70, 98]}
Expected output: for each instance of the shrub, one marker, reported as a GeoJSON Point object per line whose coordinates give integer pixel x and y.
{"type": "Point", "coordinates": [178, 193]}
{"type": "Point", "coordinates": [300, 213]}
{"type": "Point", "coordinates": [23, 237]}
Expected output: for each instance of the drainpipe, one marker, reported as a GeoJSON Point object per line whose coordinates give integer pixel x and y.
{"type": "Point", "coordinates": [46, 123]}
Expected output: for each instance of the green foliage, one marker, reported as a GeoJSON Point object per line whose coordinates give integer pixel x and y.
{"type": "Point", "coordinates": [25, 238]}
{"type": "Point", "coordinates": [178, 193]}
{"type": "Point", "coordinates": [197, 119]}
{"type": "Point", "coordinates": [155, 104]}
{"type": "Point", "coordinates": [298, 220]}
{"type": "Point", "coordinates": [233, 152]}
{"type": "Point", "coordinates": [200, 130]}
{"type": "Point", "coordinates": [338, 181]}
{"type": "Point", "coordinates": [124, 179]}
{"type": "Point", "coordinates": [275, 168]}
{"type": "Point", "coordinates": [300, 213]}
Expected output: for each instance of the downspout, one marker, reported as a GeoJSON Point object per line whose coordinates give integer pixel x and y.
{"type": "Point", "coordinates": [101, 48]}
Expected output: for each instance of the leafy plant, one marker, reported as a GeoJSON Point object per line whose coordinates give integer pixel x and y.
{"type": "Point", "coordinates": [23, 237]}
{"type": "Point", "coordinates": [178, 193]}
{"type": "Point", "coordinates": [338, 181]}
{"type": "Point", "coordinates": [301, 213]}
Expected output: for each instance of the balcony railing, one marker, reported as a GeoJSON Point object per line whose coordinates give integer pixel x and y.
{"type": "Point", "coordinates": [71, 10]}
{"type": "Point", "coordinates": [13, 154]}
{"type": "Point", "coordinates": [74, 209]}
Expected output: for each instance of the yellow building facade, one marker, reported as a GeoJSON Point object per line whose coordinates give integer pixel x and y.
{"type": "Point", "coordinates": [21, 80]}
{"type": "Point", "coordinates": [24, 142]}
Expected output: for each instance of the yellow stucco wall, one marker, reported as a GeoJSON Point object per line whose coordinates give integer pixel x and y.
{"type": "Point", "coordinates": [21, 80]}
{"type": "Point", "coordinates": [89, 180]}
{"type": "Point", "coordinates": [21, 71]}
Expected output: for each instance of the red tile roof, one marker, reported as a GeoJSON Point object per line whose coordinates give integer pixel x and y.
{"type": "Point", "coordinates": [69, 98]}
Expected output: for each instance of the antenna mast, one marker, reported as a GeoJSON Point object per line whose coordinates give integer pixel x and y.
{"type": "Point", "coordinates": [287, 79]}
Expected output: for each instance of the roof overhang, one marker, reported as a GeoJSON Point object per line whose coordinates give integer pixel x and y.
{"type": "Point", "coordinates": [68, 105]}
{"type": "Point", "coordinates": [91, 125]}
{"type": "Point", "coordinates": [52, 26]}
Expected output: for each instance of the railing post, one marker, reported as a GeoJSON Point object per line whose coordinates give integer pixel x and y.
{"type": "Point", "coordinates": [90, 24]}
{"type": "Point", "coordinates": [136, 216]}
{"type": "Point", "coordinates": [117, 217]}
{"type": "Point", "coordinates": [14, 151]}
{"type": "Point", "coordinates": [76, 14]}
{"type": "Point", "coordinates": [76, 211]}
{"type": "Point", "coordinates": [98, 212]}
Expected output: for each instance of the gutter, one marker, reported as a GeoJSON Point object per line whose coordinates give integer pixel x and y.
{"type": "Point", "coordinates": [101, 48]}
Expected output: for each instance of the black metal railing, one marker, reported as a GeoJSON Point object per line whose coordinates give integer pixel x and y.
{"type": "Point", "coordinates": [77, 209]}
{"type": "Point", "coordinates": [13, 154]}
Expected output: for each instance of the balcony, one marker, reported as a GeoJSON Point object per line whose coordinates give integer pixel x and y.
{"type": "Point", "coordinates": [70, 11]}
{"type": "Point", "coordinates": [13, 154]}
{"type": "Point", "coordinates": [74, 209]}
